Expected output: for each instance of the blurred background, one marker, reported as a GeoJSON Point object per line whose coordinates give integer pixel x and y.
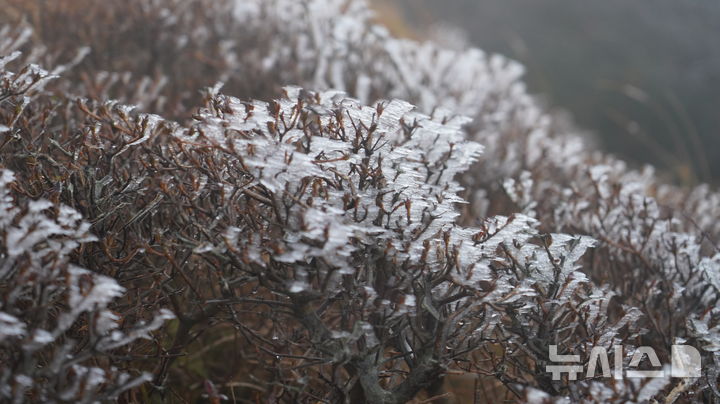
{"type": "Point", "coordinates": [642, 75]}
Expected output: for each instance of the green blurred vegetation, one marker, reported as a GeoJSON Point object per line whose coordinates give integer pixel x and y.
{"type": "Point", "coordinates": [644, 74]}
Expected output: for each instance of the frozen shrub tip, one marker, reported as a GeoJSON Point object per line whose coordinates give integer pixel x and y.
{"type": "Point", "coordinates": [407, 215]}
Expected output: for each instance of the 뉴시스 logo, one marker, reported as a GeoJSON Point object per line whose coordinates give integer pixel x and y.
{"type": "Point", "coordinates": [686, 362]}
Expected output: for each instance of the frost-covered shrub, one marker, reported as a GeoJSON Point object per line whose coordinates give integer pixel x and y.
{"type": "Point", "coordinates": [657, 242]}
{"type": "Point", "coordinates": [157, 55]}
{"type": "Point", "coordinates": [341, 218]}
{"type": "Point", "coordinates": [57, 329]}
{"type": "Point", "coordinates": [318, 246]}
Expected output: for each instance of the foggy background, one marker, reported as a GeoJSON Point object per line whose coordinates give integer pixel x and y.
{"type": "Point", "coordinates": [643, 75]}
